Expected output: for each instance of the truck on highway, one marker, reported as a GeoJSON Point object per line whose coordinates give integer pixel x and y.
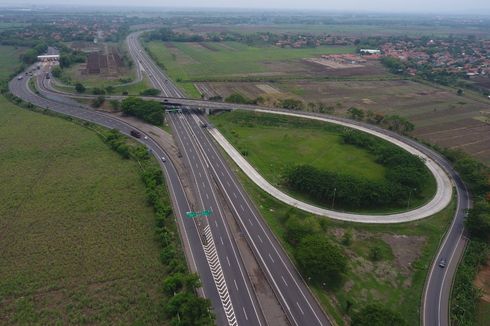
{"type": "Point", "coordinates": [135, 134]}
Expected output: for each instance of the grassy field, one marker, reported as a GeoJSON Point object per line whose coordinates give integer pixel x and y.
{"type": "Point", "coordinates": [133, 89]}
{"type": "Point", "coordinates": [396, 281]}
{"type": "Point", "coordinates": [8, 60]}
{"type": "Point", "coordinates": [203, 61]}
{"type": "Point", "coordinates": [76, 233]}
{"type": "Point", "coordinates": [272, 149]}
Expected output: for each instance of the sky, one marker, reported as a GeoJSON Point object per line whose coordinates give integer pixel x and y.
{"type": "Point", "coordinates": [432, 6]}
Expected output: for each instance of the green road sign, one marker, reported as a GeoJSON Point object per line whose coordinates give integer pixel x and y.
{"type": "Point", "coordinates": [197, 214]}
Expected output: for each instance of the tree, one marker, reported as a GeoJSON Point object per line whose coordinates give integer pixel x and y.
{"type": "Point", "coordinates": [98, 91]}
{"type": "Point", "coordinates": [56, 72]}
{"type": "Point", "coordinates": [80, 88]}
{"type": "Point", "coordinates": [320, 260]}
{"type": "Point", "coordinates": [109, 89]}
{"type": "Point", "coordinates": [115, 104]}
{"type": "Point", "coordinates": [297, 229]}
{"type": "Point", "coordinates": [149, 111]}
{"type": "Point", "coordinates": [189, 310]}
{"type": "Point", "coordinates": [377, 315]}
{"type": "Point", "coordinates": [398, 123]}
{"type": "Point", "coordinates": [150, 92]}
{"type": "Point", "coordinates": [291, 104]}
{"type": "Point", "coordinates": [237, 98]}
{"type": "Point", "coordinates": [97, 102]}
{"type": "Point", "coordinates": [478, 220]}
{"type": "Point", "coordinates": [355, 113]}
{"type": "Point", "coordinates": [460, 92]}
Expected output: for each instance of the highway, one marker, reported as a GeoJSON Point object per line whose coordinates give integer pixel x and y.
{"type": "Point", "coordinates": [211, 173]}
{"type": "Point", "coordinates": [201, 254]}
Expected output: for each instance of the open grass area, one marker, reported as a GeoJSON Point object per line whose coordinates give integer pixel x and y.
{"type": "Point", "coordinates": [204, 61]}
{"type": "Point", "coordinates": [271, 149]}
{"type": "Point", "coordinates": [396, 280]}
{"type": "Point", "coordinates": [132, 89]}
{"type": "Point", "coordinates": [9, 60]}
{"type": "Point", "coordinates": [76, 234]}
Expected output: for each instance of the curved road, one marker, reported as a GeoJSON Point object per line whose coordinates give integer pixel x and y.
{"type": "Point", "coordinates": [438, 284]}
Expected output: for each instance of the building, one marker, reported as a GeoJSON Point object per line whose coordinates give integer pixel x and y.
{"type": "Point", "coordinates": [369, 51]}
{"type": "Point", "coordinates": [48, 57]}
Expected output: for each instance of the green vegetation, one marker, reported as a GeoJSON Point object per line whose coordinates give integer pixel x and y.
{"type": "Point", "coordinates": [320, 260]}
{"type": "Point", "coordinates": [149, 111]}
{"type": "Point", "coordinates": [316, 161]}
{"type": "Point", "coordinates": [239, 99]}
{"type": "Point", "coordinates": [188, 62]}
{"type": "Point", "coordinates": [150, 92]}
{"type": "Point", "coordinates": [9, 60]}
{"type": "Point", "coordinates": [182, 305]}
{"type": "Point", "coordinates": [465, 295]}
{"type": "Point", "coordinates": [377, 315]}
{"type": "Point", "coordinates": [80, 245]}
{"type": "Point", "coordinates": [396, 280]}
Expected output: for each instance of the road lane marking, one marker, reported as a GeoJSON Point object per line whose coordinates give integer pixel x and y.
{"type": "Point", "coordinates": [250, 221]}
{"type": "Point", "coordinates": [241, 206]}
{"type": "Point", "coordinates": [300, 308]}
{"type": "Point", "coordinates": [216, 223]}
{"type": "Point", "coordinates": [260, 239]}
{"type": "Point", "coordinates": [234, 195]}
{"type": "Point", "coordinates": [246, 317]}
{"type": "Point", "coordinates": [222, 243]}
{"type": "Point", "coordinates": [284, 280]}
{"type": "Point", "coordinates": [228, 259]}
{"type": "Point", "coordinates": [236, 285]}
{"type": "Point", "coordinates": [271, 258]}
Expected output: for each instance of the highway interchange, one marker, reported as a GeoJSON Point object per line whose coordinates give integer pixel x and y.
{"type": "Point", "coordinates": [212, 251]}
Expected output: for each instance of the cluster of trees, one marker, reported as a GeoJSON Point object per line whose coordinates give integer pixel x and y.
{"type": "Point", "coordinates": [319, 259]}
{"type": "Point", "coordinates": [377, 315]}
{"type": "Point", "coordinates": [391, 122]}
{"type": "Point", "coordinates": [291, 104]}
{"type": "Point", "coordinates": [465, 298]}
{"type": "Point", "coordinates": [149, 111]}
{"type": "Point", "coordinates": [30, 56]}
{"type": "Point", "coordinates": [98, 101]}
{"type": "Point", "coordinates": [406, 176]}
{"type": "Point", "coordinates": [167, 35]}
{"type": "Point", "coordinates": [181, 305]}
{"type": "Point", "coordinates": [150, 92]}
{"type": "Point", "coordinates": [240, 99]}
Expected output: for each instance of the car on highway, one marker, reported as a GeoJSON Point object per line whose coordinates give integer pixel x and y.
{"type": "Point", "coordinates": [145, 137]}
{"type": "Point", "coordinates": [135, 134]}
{"type": "Point", "coordinates": [442, 263]}
{"type": "Point", "coordinates": [163, 159]}
{"type": "Point", "coordinates": [20, 77]}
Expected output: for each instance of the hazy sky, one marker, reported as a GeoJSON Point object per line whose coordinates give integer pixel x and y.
{"type": "Point", "coordinates": [474, 6]}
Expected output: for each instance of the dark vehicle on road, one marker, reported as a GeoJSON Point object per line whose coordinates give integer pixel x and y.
{"type": "Point", "coordinates": [48, 76]}
{"type": "Point", "coordinates": [135, 134]}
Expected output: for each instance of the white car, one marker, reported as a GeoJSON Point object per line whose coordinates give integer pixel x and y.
{"type": "Point", "coordinates": [163, 159]}
{"type": "Point", "coordinates": [145, 138]}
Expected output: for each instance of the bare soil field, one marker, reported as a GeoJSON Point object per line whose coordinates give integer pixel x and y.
{"type": "Point", "coordinates": [247, 89]}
